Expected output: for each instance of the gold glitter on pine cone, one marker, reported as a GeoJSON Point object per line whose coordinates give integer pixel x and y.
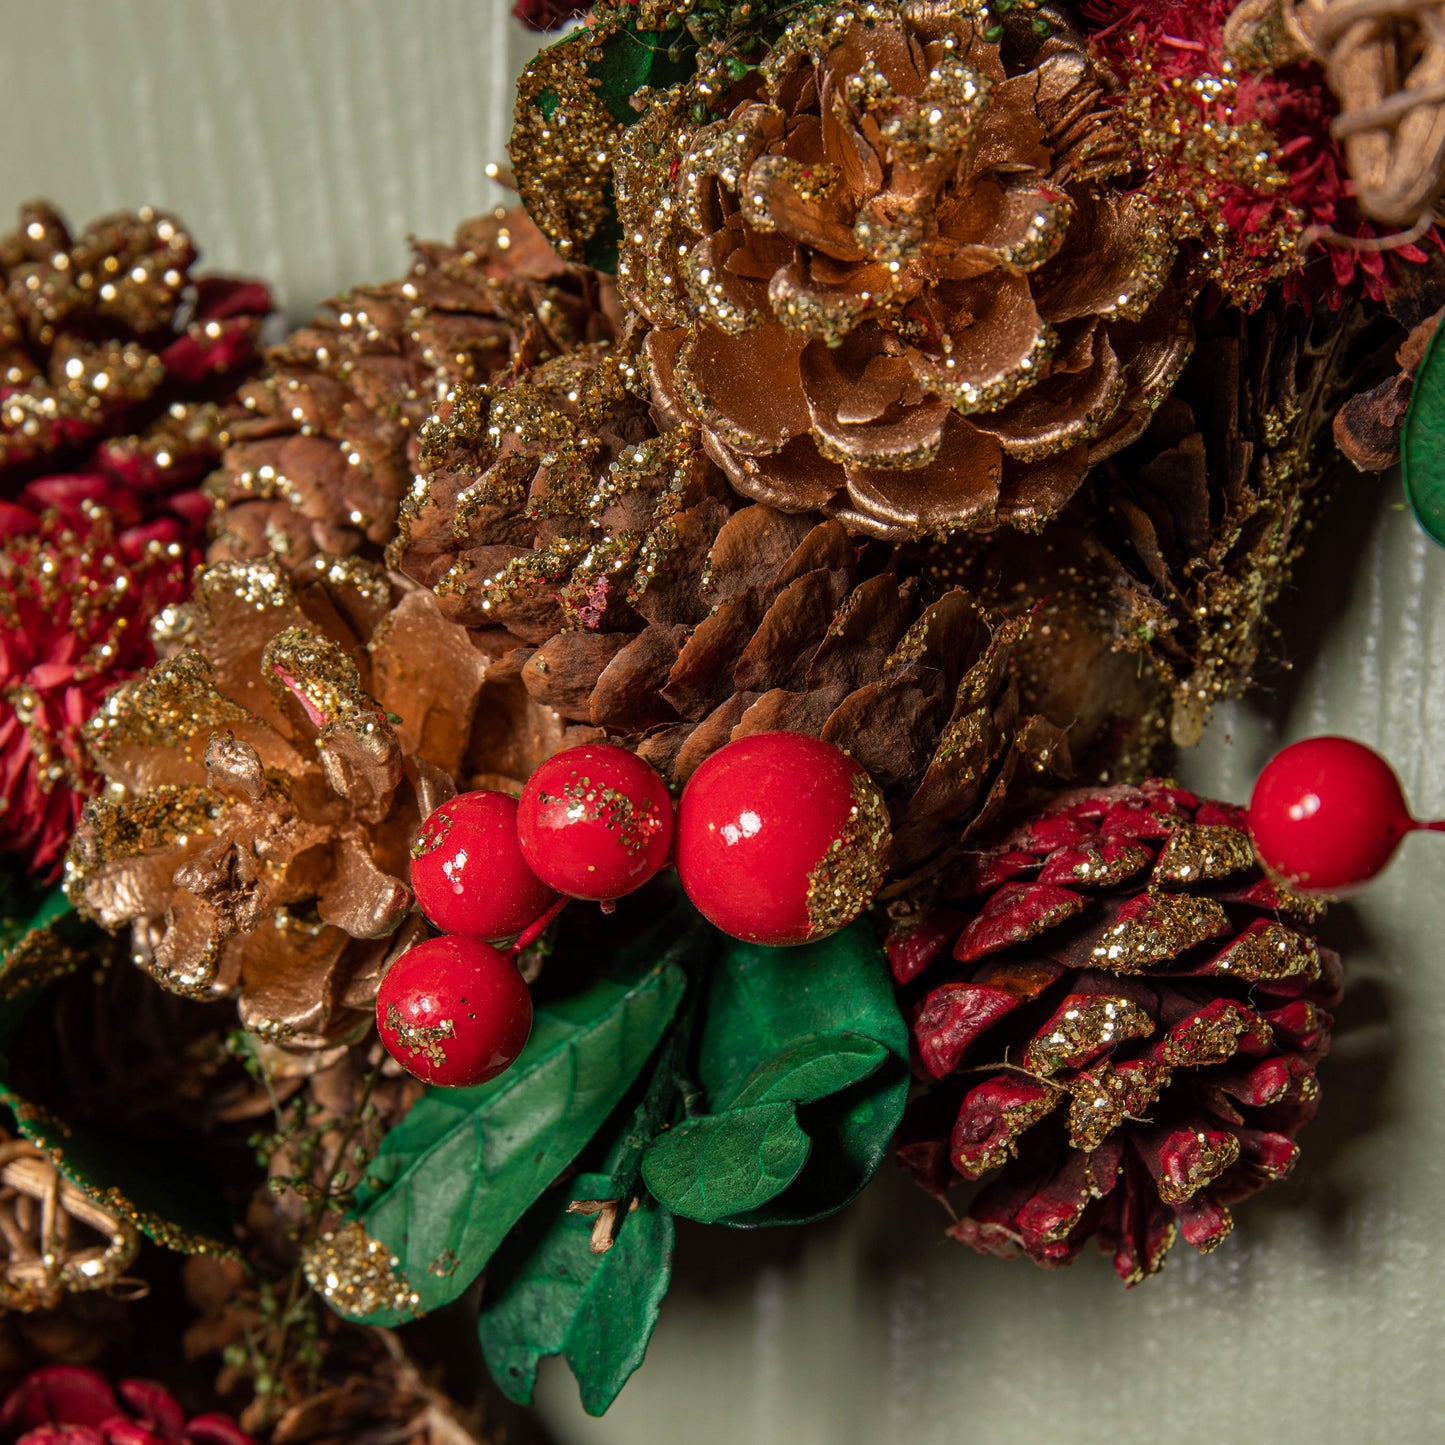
{"type": "Point", "coordinates": [899, 278]}
{"type": "Point", "coordinates": [267, 778]}
{"type": "Point", "coordinates": [1119, 1020]}
{"type": "Point", "coordinates": [652, 608]}
{"type": "Point", "coordinates": [330, 446]}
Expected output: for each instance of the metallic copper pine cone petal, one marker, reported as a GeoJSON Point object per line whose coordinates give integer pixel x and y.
{"type": "Point", "coordinates": [267, 779]}
{"type": "Point", "coordinates": [898, 279]}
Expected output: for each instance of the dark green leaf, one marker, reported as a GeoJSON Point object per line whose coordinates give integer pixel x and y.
{"type": "Point", "coordinates": [461, 1169]}
{"type": "Point", "coordinates": [548, 1294]}
{"type": "Point", "coordinates": [628, 59]}
{"type": "Point", "coordinates": [728, 1163]}
{"type": "Point", "coordinates": [817, 1024]}
{"type": "Point", "coordinates": [1422, 449]}
{"type": "Point", "coordinates": [761, 1001]}
{"type": "Point", "coordinates": [850, 1133]}
{"type": "Point", "coordinates": [812, 1068]}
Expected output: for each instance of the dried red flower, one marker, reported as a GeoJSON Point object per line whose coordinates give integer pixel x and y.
{"type": "Point", "coordinates": [1245, 157]}
{"type": "Point", "coordinates": [79, 586]}
{"type": "Point", "coordinates": [549, 14]}
{"type": "Point", "coordinates": [68, 1405]}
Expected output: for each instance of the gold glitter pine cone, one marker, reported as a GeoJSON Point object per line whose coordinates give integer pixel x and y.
{"type": "Point", "coordinates": [329, 447]}
{"type": "Point", "coordinates": [653, 609]}
{"type": "Point", "coordinates": [266, 780]}
{"type": "Point", "coordinates": [904, 283]}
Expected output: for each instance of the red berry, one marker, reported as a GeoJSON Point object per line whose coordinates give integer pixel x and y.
{"type": "Point", "coordinates": [595, 822]}
{"type": "Point", "coordinates": [468, 872]}
{"type": "Point", "coordinates": [781, 838]}
{"type": "Point", "coordinates": [1327, 814]}
{"type": "Point", "coordinates": [454, 1011]}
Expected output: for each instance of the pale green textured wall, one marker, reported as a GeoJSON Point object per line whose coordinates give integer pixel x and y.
{"type": "Point", "coordinates": [305, 140]}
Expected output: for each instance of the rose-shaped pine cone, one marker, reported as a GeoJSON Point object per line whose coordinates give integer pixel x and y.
{"type": "Point", "coordinates": [1123, 1015]}
{"type": "Point", "coordinates": [649, 606]}
{"type": "Point", "coordinates": [78, 590]}
{"type": "Point", "coordinates": [266, 781]}
{"type": "Point", "coordinates": [117, 361]}
{"type": "Point", "coordinates": [330, 446]}
{"type": "Point", "coordinates": [909, 287]}
{"type": "Point", "coordinates": [69, 1405]}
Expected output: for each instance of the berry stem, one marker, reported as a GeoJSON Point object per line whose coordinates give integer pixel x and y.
{"type": "Point", "coordinates": [1438, 826]}
{"type": "Point", "coordinates": [534, 930]}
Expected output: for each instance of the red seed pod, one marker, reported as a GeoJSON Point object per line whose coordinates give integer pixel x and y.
{"type": "Point", "coordinates": [781, 838]}
{"type": "Point", "coordinates": [454, 1011]}
{"type": "Point", "coordinates": [468, 872]}
{"type": "Point", "coordinates": [595, 822]}
{"type": "Point", "coordinates": [1327, 815]}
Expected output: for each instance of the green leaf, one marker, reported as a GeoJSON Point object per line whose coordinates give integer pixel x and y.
{"type": "Point", "coordinates": [814, 1067]}
{"type": "Point", "coordinates": [729, 1163]}
{"type": "Point", "coordinates": [819, 1025]}
{"type": "Point", "coordinates": [762, 1001]}
{"type": "Point", "coordinates": [627, 59]}
{"type": "Point", "coordinates": [548, 1294]}
{"type": "Point", "coordinates": [461, 1169]}
{"type": "Point", "coordinates": [1422, 445]}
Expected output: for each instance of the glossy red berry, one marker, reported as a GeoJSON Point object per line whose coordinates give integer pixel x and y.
{"type": "Point", "coordinates": [781, 838]}
{"type": "Point", "coordinates": [1327, 814]}
{"type": "Point", "coordinates": [454, 1011]}
{"type": "Point", "coordinates": [468, 873]}
{"type": "Point", "coordinates": [595, 822]}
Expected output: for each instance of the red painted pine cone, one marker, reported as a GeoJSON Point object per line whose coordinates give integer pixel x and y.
{"type": "Point", "coordinates": [1121, 1018]}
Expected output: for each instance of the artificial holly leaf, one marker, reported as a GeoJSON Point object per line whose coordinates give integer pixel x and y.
{"type": "Point", "coordinates": [459, 1171]}
{"type": "Point", "coordinates": [818, 1025]}
{"type": "Point", "coordinates": [812, 1068]}
{"type": "Point", "coordinates": [727, 1163]}
{"type": "Point", "coordinates": [762, 1001]}
{"type": "Point", "coordinates": [549, 1294]}
{"type": "Point", "coordinates": [160, 1191]}
{"type": "Point", "coordinates": [1422, 444]}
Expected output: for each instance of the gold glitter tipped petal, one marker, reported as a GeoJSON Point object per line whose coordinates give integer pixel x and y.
{"type": "Point", "coordinates": [1269, 951]}
{"type": "Point", "coordinates": [1166, 926]}
{"type": "Point", "coordinates": [1013, 1122]}
{"type": "Point", "coordinates": [1104, 1097]}
{"type": "Point", "coordinates": [1088, 1027]}
{"type": "Point", "coordinates": [846, 879]}
{"type": "Point", "coordinates": [1215, 1154]}
{"type": "Point", "coordinates": [1201, 853]}
{"type": "Point", "coordinates": [358, 1276]}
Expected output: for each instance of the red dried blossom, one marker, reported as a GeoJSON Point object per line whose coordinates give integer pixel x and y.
{"type": "Point", "coordinates": [68, 1405]}
{"type": "Point", "coordinates": [1245, 157]}
{"type": "Point", "coordinates": [549, 14]}
{"type": "Point", "coordinates": [79, 585]}
{"type": "Point", "coordinates": [1121, 1021]}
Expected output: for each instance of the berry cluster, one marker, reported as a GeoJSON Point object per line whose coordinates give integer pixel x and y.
{"type": "Point", "coordinates": [779, 839]}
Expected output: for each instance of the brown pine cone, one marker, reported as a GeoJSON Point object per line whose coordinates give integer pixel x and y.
{"type": "Point", "coordinates": [110, 332]}
{"type": "Point", "coordinates": [910, 288]}
{"type": "Point", "coordinates": [267, 779]}
{"type": "Point", "coordinates": [330, 448]}
{"type": "Point", "coordinates": [1196, 529]}
{"type": "Point", "coordinates": [650, 608]}
{"type": "Point", "coordinates": [1120, 1012]}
